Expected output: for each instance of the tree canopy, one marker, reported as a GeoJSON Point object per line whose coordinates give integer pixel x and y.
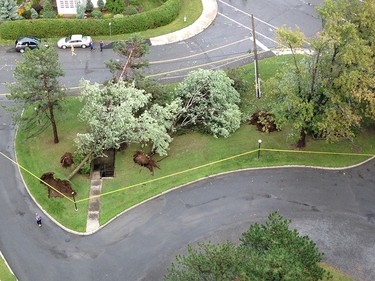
{"type": "Point", "coordinates": [208, 99]}
{"type": "Point", "coordinates": [37, 84]}
{"type": "Point", "coordinates": [269, 252]}
{"type": "Point", "coordinates": [121, 113]}
{"type": "Point", "coordinates": [8, 10]}
{"type": "Point", "coordinates": [328, 93]}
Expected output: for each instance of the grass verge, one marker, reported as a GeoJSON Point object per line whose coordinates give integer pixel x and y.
{"type": "Point", "coordinates": [5, 274]}
{"type": "Point", "coordinates": [133, 184]}
{"type": "Point", "coordinates": [336, 274]}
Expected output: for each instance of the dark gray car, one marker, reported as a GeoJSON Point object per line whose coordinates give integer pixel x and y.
{"type": "Point", "coordinates": [29, 42]}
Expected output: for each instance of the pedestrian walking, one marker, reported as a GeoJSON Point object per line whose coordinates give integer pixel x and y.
{"type": "Point", "coordinates": [72, 49]}
{"type": "Point", "coordinates": [92, 45]}
{"type": "Point", "coordinates": [38, 219]}
{"type": "Point", "coordinates": [101, 44]}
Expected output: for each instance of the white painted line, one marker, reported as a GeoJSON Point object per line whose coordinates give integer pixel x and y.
{"type": "Point", "coordinates": [262, 46]}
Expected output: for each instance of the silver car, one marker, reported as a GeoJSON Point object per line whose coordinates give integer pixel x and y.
{"type": "Point", "coordinates": [76, 40]}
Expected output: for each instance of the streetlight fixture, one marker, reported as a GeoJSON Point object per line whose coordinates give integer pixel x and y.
{"type": "Point", "coordinates": [110, 29]}
{"type": "Point", "coordinates": [74, 199]}
{"type": "Point", "coordinates": [259, 143]}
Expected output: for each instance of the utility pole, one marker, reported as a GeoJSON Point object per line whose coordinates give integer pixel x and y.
{"type": "Point", "coordinates": [257, 81]}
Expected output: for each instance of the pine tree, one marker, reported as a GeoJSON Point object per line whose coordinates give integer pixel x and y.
{"type": "Point", "coordinates": [89, 6]}
{"type": "Point", "coordinates": [8, 10]}
{"type": "Point", "coordinates": [48, 13]}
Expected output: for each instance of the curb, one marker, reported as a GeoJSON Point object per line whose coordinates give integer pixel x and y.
{"type": "Point", "coordinates": [207, 17]}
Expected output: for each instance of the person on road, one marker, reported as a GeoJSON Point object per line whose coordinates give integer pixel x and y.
{"type": "Point", "coordinates": [38, 219]}
{"type": "Point", "coordinates": [72, 49]}
{"type": "Point", "coordinates": [92, 45]}
{"type": "Point", "coordinates": [101, 44]}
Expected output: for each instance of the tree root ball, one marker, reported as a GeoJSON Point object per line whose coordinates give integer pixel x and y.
{"type": "Point", "coordinates": [66, 160]}
{"type": "Point", "coordinates": [145, 160]}
{"type": "Point", "coordinates": [63, 186]}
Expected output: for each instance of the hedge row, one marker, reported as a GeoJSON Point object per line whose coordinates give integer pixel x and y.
{"type": "Point", "coordinates": [47, 28]}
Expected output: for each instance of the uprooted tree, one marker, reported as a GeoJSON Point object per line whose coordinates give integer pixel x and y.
{"type": "Point", "coordinates": [120, 113]}
{"type": "Point", "coordinates": [209, 100]}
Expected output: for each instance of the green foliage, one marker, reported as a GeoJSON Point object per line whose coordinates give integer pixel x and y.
{"type": "Point", "coordinates": [101, 4]}
{"type": "Point", "coordinates": [27, 14]}
{"type": "Point", "coordinates": [45, 28]}
{"type": "Point", "coordinates": [132, 52]}
{"type": "Point", "coordinates": [330, 92]}
{"type": "Point", "coordinates": [121, 113]}
{"type": "Point", "coordinates": [267, 252]}
{"type": "Point", "coordinates": [80, 9]}
{"type": "Point", "coordinates": [89, 6]}
{"type": "Point", "coordinates": [130, 10]}
{"type": "Point", "coordinates": [8, 10]}
{"type": "Point", "coordinates": [96, 14]}
{"type": "Point", "coordinates": [209, 99]}
{"type": "Point", "coordinates": [115, 6]}
{"type": "Point", "coordinates": [48, 11]}
{"type": "Point", "coordinates": [37, 84]}
{"type": "Point", "coordinates": [34, 14]}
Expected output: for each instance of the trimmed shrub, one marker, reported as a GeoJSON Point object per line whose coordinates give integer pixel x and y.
{"type": "Point", "coordinates": [130, 10]}
{"type": "Point", "coordinates": [48, 12]}
{"type": "Point", "coordinates": [26, 14]}
{"type": "Point", "coordinates": [80, 9]}
{"type": "Point", "coordinates": [96, 14]}
{"type": "Point", "coordinates": [101, 5]}
{"type": "Point", "coordinates": [115, 6]}
{"type": "Point", "coordinates": [34, 14]}
{"type": "Point", "coordinates": [47, 28]}
{"type": "Point", "coordinates": [89, 6]}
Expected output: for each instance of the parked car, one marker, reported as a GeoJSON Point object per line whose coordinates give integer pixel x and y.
{"type": "Point", "coordinates": [76, 40]}
{"type": "Point", "coordinates": [29, 42]}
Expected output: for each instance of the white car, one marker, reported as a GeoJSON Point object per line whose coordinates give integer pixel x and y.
{"type": "Point", "coordinates": [76, 40]}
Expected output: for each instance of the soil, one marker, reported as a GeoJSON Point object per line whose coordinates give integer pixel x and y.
{"type": "Point", "coordinates": [263, 121]}
{"type": "Point", "coordinates": [145, 160]}
{"type": "Point", "coordinates": [66, 160]}
{"type": "Point", "coordinates": [63, 186]}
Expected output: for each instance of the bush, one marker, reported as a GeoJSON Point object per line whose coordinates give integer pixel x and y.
{"type": "Point", "coordinates": [48, 12]}
{"type": "Point", "coordinates": [96, 14]}
{"type": "Point", "coordinates": [115, 6]}
{"type": "Point", "coordinates": [101, 4]}
{"type": "Point", "coordinates": [130, 10]}
{"type": "Point", "coordinates": [26, 14]}
{"type": "Point", "coordinates": [37, 7]}
{"type": "Point", "coordinates": [89, 6]}
{"type": "Point", "coordinates": [47, 28]}
{"type": "Point", "coordinates": [80, 10]}
{"type": "Point", "coordinates": [34, 14]}
{"type": "Point", "coordinates": [118, 16]}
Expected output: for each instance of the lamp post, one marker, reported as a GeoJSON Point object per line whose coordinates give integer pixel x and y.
{"type": "Point", "coordinates": [74, 199]}
{"type": "Point", "coordinates": [259, 143]}
{"type": "Point", "coordinates": [110, 29]}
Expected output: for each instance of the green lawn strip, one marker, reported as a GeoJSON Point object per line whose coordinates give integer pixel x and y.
{"type": "Point", "coordinates": [5, 274]}
{"type": "Point", "coordinates": [336, 274]}
{"type": "Point", "coordinates": [40, 155]}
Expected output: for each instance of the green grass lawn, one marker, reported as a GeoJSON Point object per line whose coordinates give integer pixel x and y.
{"type": "Point", "coordinates": [336, 274]}
{"type": "Point", "coordinates": [5, 274]}
{"type": "Point", "coordinates": [133, 184]}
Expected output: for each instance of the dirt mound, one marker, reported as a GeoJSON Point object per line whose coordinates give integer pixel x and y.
{"type": "Point", "coordinates": [62, 186]}
{"type": "Point", "coordinates": [145, 160]}
{"type": "Point", "coordinates": [66, 160]}
{"type": "Point", "coordinates": [264, 121]}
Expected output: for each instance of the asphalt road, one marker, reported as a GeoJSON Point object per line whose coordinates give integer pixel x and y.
{"type": "Point", "coordinates": [218, 46]}
{"type": "Point", "coordinates": [335, 208]}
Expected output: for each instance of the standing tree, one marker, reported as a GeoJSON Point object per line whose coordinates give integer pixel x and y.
{"type": "Point", "coordinates": [37, 84]}
{"type": "Point", "coordinates": [101, 4]}
{"type": "Point", "coordinates": [267, 252]}
{"type": "Point", "coordinates": [89, 6]}
{"type": "Point", "coordinates": [330, 92]}
{"type": "Point", "coordinates": [209, 100]}
{"type": "Point", "coordinates": [8, 10]}
{"type": "Point", "coordinates": [48, 11]}
{"type": "Point", "coordinates": [133, 52]}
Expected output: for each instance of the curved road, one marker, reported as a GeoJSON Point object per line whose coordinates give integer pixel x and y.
{"type": "Point", "coordinates": [334, 207]}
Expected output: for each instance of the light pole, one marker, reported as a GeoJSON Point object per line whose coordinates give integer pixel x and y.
{"type": "Point", "coordinates": [110, 29]}
{"type": "Point", "coordinates": [74, 199]}
{"type": "Point", "coordinates": [259, 143]}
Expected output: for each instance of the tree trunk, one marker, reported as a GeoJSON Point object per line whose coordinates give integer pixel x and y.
{"type": "Point", "coordinates": [302, 139]}
{"type": "Point", "coordinates": [53, 122]}
{"type": "Point", "coordinates": [75, 171]}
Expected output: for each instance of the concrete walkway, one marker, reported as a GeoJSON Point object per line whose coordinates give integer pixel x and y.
{"type": "Point", "coordinates": [207, 17]}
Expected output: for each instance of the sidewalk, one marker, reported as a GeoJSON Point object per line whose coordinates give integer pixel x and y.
{"type": "Point", "coordinates": [208, 15]}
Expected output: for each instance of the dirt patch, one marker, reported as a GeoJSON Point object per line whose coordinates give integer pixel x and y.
{"type": "Point", "coordinates": [63, 186]}
{"type": "Point", "coordinates": [145, 160]}
{"type": "Point", "coordinates": [66, 160]}
{"type": "Point", "coordinates": [264, 121]}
